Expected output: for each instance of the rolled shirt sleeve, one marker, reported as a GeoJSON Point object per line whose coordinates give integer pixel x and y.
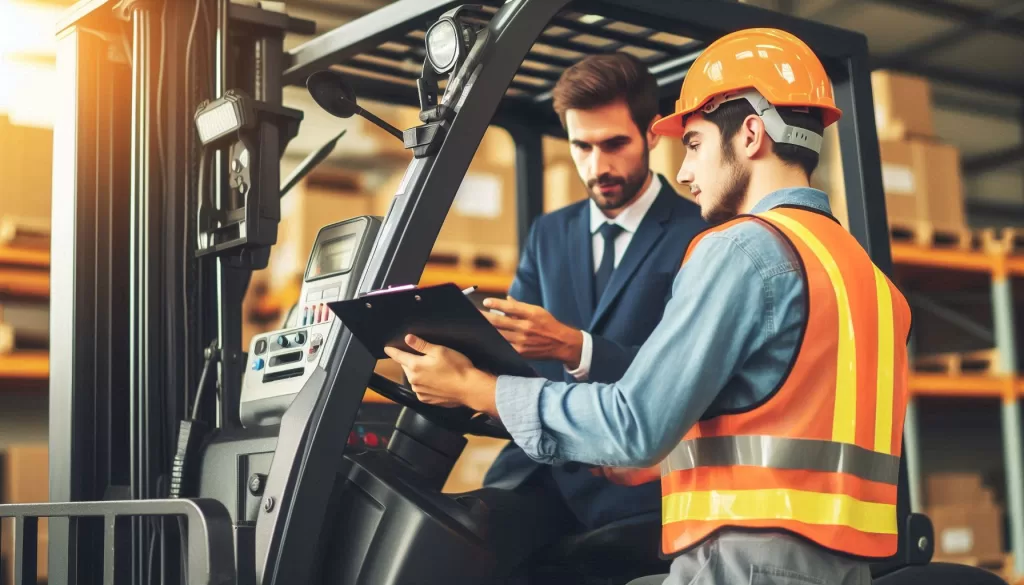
{"type": "Point", "coordinates": [714, 321]}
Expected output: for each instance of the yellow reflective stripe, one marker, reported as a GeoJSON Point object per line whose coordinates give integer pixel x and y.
{"type": "Point", "coordinates": [780, 504]}
{"type": "Point", "coordinates": [844, 416]}
{"type": "Point", "coordinates": [886, 349]}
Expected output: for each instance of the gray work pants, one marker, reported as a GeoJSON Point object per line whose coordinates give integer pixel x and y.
{"type": "Point", "coordinates": [760, 559]}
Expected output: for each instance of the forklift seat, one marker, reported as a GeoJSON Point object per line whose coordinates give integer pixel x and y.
{"type": "Point", "coordinates": [627, 546]}
{"type": "Point", "coordinates": [940, 574]}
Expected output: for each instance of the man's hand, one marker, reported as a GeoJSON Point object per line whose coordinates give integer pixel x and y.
{"type": "Point", "coordinates": [534, 332]}
{"type": "Point", "coordinates": [628, 476]}
{"type": "Point", "coordinates": [445, 377]}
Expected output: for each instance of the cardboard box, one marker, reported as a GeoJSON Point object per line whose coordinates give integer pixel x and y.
{"type": "Point", "coordinates": [479, 230]}
{"type": "Point", "coordinates": [486, 201]}
{"type": "Point", "coordinates": [903, 106]}
{"type": "Point", "coordinates": [666, 159]}
{"type": "Point", "coordinates": [922, 182]}
{"type": "Point", "coordinates": [468, 472]}
{"type": "Point", "coordinates": [562, 185]}
{"type": "Point", "coordinates": [968, 530]}
{"type": "Point", "coordinates": [320, 199]}
{"type": "Point", "coordinates": [829, 177]}
{"type": "Point", "coordinates": [946, 489]}
{"type": "Point", "coordinates": [27, 170]}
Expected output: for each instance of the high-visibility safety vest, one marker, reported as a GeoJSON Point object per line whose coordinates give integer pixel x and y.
{"type": "Point", "coordinates": [819, 457]}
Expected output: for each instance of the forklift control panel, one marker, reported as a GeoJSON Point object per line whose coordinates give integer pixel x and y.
{"type": "Point", "coordinates": [280, 361]}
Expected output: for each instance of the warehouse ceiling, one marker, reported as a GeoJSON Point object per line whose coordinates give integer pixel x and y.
{"type": "Point", "coordinates": [970, 49]}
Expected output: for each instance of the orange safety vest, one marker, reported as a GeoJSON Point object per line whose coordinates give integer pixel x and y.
{"type": "Point", "coordinates": [820, 456]}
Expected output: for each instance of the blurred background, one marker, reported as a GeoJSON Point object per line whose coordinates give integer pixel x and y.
{"type": "Point", "coordinates": [949, 106]}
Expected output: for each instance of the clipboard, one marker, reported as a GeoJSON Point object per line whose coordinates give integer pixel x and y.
{"type": "Point", "coordinates": [438, 314]}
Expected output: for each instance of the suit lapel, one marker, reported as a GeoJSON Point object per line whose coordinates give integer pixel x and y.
{"type": "Point", "coordinates": [581, 263]}
{"type": "Point", "coordinates": [647, 235]}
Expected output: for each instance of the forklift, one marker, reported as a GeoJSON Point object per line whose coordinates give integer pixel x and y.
{"type": "Point", "coordinates": [179, 456]}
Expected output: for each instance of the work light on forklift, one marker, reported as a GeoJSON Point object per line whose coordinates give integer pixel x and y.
{"type": "Point", "coordinates": [443, 45]}
{"type": "Point", "coordinates": [221, 117]}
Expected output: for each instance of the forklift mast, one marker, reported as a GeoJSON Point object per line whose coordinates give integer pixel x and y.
{"type": "Point", "coordinates": [142, 307]}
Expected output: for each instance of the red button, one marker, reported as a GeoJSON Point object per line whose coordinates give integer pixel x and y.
{"type": "Point", "coordinates": [353, 438]}
{"type": "Point", "coordinates": [370, 440]}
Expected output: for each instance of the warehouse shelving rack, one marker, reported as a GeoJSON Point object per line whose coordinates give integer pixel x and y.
{"type": "Point", "coordinates": [1004, 384]}
{"type": "Point", "coordinates": [22, 274]}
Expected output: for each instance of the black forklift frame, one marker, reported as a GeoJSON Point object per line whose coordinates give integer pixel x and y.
{"type": "Point", "coordinates": [305, 445]}
{"type": "Point", "coordinates": [110, 366]}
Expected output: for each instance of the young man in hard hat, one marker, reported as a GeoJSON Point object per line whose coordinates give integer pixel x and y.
{"type": "Point", "coordinates": [773, 391]}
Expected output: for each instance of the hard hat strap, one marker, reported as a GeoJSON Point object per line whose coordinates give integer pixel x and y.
{"type": "Point", "coordinates": [774, 125]}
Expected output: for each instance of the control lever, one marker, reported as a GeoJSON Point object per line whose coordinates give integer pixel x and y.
{"type": "Point", "coordinates": [332, 93]}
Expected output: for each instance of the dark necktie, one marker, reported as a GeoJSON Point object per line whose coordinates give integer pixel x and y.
{"type": "Point", "coordinates": [609, 231]}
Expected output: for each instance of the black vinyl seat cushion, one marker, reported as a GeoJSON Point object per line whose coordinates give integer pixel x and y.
{"type": "Point", "coordinates": [940, 574]}
{"type": "Point", "coordinates": [628, 546]}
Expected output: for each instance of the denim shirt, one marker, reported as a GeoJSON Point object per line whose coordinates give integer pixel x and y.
{"type": "Point", "coordinates": [728, 336]}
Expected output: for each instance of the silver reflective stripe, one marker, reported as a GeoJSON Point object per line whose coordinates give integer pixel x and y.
{"type": "Point", "coordinates": [783, 453]}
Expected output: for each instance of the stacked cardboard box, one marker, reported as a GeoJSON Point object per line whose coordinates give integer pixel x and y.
{"type": "Point", "coordinates": [24, 324]}
{"type": "Point", "coordinates": [479, 231]}
{"type": "Point", "coordinates": [968, 523]}
{"type": "Point", "coordinates": [468, 472]}
{"type": "Point", "coordinates": [26, 167]}
{"type": "Point", "coordinates": [920, 174]}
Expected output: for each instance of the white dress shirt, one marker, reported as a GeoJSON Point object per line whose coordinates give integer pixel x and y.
{"type": "Point", "coordinates": [629, 220]}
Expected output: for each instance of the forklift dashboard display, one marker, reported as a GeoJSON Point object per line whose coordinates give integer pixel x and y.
{"type": "Point", "coordinates": [332, 257]}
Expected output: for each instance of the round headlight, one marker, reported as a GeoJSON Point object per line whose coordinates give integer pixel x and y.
{"type": "Point", "coordinates": [442, 45]}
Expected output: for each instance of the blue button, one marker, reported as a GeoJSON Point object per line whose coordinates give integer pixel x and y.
{"type": "Point", "coordinates": [257, 364]}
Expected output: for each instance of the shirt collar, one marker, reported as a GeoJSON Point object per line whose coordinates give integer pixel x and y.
{"type": "Point", "coordinates": [632, 215]}
{"type": "Point", "coordinates": [799, 196]}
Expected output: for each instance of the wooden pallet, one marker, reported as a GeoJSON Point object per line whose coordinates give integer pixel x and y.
{"type": "Point", "coordinates": [926, 235]}
{"type": "Point", "coordinates": [984, 362]}
{"type": "Point", "coordinates": [1005, 240]}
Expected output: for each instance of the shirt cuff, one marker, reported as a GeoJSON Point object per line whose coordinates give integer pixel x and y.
{"type": "Point", "coordinates": [518, 403]}
{"type": "Point", "coordinates": [582, 373]}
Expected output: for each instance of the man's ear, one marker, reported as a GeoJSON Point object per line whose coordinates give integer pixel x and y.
{"type": "Point", "coordinates": [652, 138]}
{"type": "Point", "coordinates": [756, 141]}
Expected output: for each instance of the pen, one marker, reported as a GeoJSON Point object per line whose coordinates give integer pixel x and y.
{"type": "Point", "coordinates": [470, 290]}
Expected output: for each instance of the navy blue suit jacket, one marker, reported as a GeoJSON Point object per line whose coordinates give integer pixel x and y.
{"type": "Point", "coordinates": [556, 271]}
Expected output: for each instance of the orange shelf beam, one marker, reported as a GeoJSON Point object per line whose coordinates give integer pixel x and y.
{"type": "Point", "coordinates": [25, 257]}
{"type": "Point", "coordinates": [375, 398]}
{"type": "Point", "coordinates": [910, 255]}
{"type": "Point", "coordinates": [964, 386]}
{"type": "Point", "coordinates": [1015, 265]}
{"type": "Point", "coordinates": [23, 282]}
{"type": "Point", "coordinates": [25, 365]}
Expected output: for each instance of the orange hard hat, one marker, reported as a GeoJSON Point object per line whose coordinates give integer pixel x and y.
{"type": "Point", "coordinates": [771, 62]}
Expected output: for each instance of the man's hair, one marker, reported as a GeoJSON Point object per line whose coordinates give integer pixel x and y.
{"type": "Point", "coordinates": [729, 118]}
{"type": "Point", "coordinates": [600, 80]}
